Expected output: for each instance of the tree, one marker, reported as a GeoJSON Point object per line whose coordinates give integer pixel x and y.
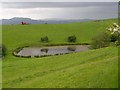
{"type": "Point", "coordinates": [101, 40]}
{"type": "Point", "coordinates": [44, 39]}
{"type": "Point", "coordinates": [114, 31]}
{"type": "Point", "coordinates": [4, 49]}
{"type": "Point", "coordinates": [72, 38]}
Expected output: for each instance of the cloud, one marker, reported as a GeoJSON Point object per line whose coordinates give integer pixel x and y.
{"type": "Point", "coordinates": [60, 10]}
{"type": "Point", "coordinates": [34, 13]}
{"type": "Point", "coordinates": [59, 0]}
{"type": "Point", "coordinates": [54, 4]}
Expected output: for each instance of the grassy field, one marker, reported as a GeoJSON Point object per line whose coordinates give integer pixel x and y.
{"type": "Point", "coordinates": [20, 35]}
{"type": "Point", "coordinates": [91, 69]}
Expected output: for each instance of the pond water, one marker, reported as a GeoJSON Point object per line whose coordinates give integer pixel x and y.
{"type": "Point", "coordinates": [52, 50]}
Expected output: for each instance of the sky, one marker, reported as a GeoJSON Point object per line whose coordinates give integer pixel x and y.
{"type": "Point", "coordinates": [59, 0]}
{"type": "Point", "coordinates": [59, 10]}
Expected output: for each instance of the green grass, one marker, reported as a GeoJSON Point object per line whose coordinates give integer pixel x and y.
{"type": "Point", "coordinates": [91, 69]}
{"type": "Point", "coordinates": [17, 35]}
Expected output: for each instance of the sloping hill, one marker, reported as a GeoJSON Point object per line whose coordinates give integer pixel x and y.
{"type": "Point", "coordinates": [91, 69]}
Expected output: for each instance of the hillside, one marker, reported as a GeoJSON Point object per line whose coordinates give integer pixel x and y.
{"type": "Point", "coordinates": [89, 69]}
{"type": "Point", "coordinates": [18, 20]}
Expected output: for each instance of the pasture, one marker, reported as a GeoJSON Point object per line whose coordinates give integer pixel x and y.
{"type": "Point", "coordinates": [89, 69]}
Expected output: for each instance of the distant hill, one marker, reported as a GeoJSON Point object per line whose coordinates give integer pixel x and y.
{"type": "Point", "coordinates": [18, 20]}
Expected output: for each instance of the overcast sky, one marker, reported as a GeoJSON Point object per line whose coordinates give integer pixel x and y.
{"type": "Point", "coordinates": [60, 10]}
{"type": "Point", "coordinates": [59, 0]}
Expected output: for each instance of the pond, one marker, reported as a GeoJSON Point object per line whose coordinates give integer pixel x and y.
{"type": "Point", "coordinates": [52, 50]}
